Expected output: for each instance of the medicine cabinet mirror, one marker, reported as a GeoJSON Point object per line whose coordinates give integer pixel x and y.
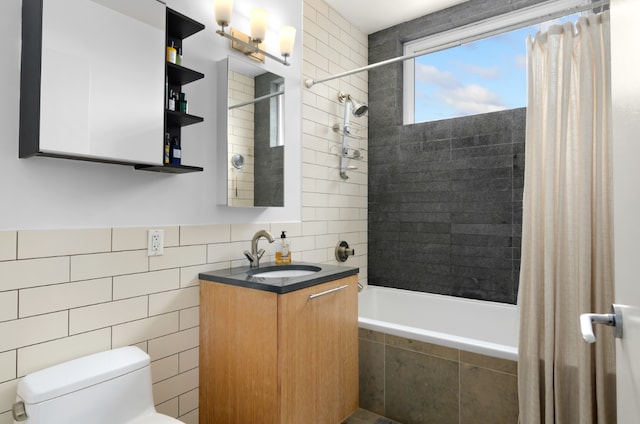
{"type": "Point", "coordinates": [251, 136]}
{"type": "Point", "coordinates": [72, 89]}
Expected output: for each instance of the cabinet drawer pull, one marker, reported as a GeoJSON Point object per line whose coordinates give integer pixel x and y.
{"type": "Point", "coordinates": [313, 296]}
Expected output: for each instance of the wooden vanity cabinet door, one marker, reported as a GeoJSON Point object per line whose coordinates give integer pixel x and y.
{"type": "Point", "coordinates": [238, 355]}
{"type": "Point", "coordinates": [318, 353]}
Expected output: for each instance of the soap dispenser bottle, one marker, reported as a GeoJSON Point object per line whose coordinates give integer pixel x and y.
{"type": "Point", "coordinates": [283, 255]}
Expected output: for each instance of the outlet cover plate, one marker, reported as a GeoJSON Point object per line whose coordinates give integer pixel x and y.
{"type": "Point", "coordinates": [155, 243]}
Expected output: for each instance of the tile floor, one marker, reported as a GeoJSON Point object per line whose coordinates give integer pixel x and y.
{"type": "Point", "coordinates": [362, 416]}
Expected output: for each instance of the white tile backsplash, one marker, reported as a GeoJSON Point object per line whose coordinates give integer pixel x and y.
{"type": "Point", "coordinates": [175, 300]}
{"type": "Point", "coordinates": [43, 243]}
{"type": "Point", "coordinates": [57, 297]}
{"type": "Point", "coordinates": [190, 317]}
{"type": "Point", "coordinates": [224, 252]}
{"type": "Point", "coordinates": [107, 314]}
{"type": "Point", "coordinates": [204, 234]}
{"type": "Point", "coordinates": [137, 238]}
{"type": "Point", "coordinates": [36, 357]}
{"type": "Point", "coordinates": [137, 331]}
{"type": "Point", "coordinates": [132, 285]}
{"type": "Point", "coordinates": [6, 418]}
{"type": "Point", "coordinates": [190, 417]}
{"type": "Point", "coordinates": [189, 359]}
{"type": "Point", "coordinates": [175, 257]}
{"type": "Point", "coordinates": [38, 329]}
{"type": "Point", "coordinates": [175, 386]}
{"type": "Point", "coordinates": [7, 397]}
{"type": "Point", "coordinates": [8, 245]}
{"type": "Point", "coordinates": [8, 305]}
{"type": "Point", "coordinates": [244, 232]}
{"type": "Point", "coordinates": [170, 408]}
{"type": "Point", "coordinates": [189, 276]}
{"type": "Point", "coordinates": [33, 272]}
{"type": "Point", "coordinates": [173, 343]}
{"type": "Point", "coordinates": [7, 365]}
{"type": "Point", "coordinates": [84, 267]}
{"type": "Point", "coordinates": [164, 368]}
{"type": "Point", "coordinates": [188, 401]}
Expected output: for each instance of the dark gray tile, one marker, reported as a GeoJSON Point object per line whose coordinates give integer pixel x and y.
{"type": "Point", "coordinates": [362, 416]}
{"type": "Point", "coordinates": [374, 336]}
{"type": "Point", "coordinates": [487, 396]}
{"type": "Point", "coordinates": [489, 362]}
{"type": "Point", "coordinates": [371, 375]}
{"type": "Point", "coordinates": [423, 347]}
{"type": "Point", "coordinates": [427, 131]}
{"type": "Point", "coordinates": [420, 388]}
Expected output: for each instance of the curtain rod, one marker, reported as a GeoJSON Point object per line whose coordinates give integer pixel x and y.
{"type": "Point", "coordinates": [540, 18]}
{"type": "Point", "coordinates": [257, 99]}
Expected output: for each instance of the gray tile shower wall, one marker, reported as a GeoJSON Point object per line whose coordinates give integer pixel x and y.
{"type": "Point", "coordinates": [445, 202]}
{"type": "Point", "coordinates": [445, 197]}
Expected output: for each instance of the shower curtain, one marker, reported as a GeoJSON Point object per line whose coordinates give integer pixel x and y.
{"type": "Point", "coordinates": [567, 257]}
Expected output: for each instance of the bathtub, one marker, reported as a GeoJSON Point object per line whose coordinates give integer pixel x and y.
{"type": "Point", "coordinates": [487, 328]}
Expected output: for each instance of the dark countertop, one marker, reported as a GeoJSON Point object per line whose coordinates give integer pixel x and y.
{"type": "Point", "coordinates": [242, 277]}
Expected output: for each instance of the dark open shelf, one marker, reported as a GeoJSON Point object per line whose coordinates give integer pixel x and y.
{"type": "Point", "coordinates": [170, 169]}
{"type": "Point", "coordinates": [181, 75]}
{"type": "Point", "coordinates": [179, 119]}
{"type": "Point", "coordinates": [180, 26]}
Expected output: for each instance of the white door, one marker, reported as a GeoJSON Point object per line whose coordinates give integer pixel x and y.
{"type": "Point", "coordinates": [625, 65]}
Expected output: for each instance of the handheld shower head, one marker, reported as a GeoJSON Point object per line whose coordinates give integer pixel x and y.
{"type": "Point", "coordinates": [359, 108]}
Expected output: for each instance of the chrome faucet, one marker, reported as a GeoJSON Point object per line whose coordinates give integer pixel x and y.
{"type": "Point", "coordinates": [255, 254]}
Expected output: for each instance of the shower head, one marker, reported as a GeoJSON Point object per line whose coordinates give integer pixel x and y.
{"type": "Point", "coordinates": [359, 108]}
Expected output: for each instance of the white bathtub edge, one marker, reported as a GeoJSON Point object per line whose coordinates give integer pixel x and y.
{"type": "Point", "coordinates": [462, 343]}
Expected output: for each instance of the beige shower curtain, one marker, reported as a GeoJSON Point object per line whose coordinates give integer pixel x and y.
{"type": "Point", "coordinates": [567, 257]}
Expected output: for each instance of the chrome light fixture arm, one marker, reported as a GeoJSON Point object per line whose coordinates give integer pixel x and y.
{"type": "Point", "coordinates": [253, 47]}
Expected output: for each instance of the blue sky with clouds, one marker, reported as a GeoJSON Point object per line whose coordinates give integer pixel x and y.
{"type": "Point", "coordinates": [479, 77]}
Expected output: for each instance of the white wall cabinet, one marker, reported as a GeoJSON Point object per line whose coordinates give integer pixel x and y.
{"type": "Point", "coordinates": [92, 81]}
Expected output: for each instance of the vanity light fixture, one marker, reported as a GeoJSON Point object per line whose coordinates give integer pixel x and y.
{"type": "Point", "coordinates": [252, 45]}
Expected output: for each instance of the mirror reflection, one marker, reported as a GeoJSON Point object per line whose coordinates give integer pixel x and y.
{"type": "Point", "coordinates": [255, 136]}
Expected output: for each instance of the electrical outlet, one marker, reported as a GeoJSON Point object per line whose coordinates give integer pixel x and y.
{"type": "Point", "coordinates": [155, 245]}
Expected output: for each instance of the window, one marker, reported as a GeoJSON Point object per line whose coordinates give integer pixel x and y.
{"type": "Point", "coordinates": [476, 69]}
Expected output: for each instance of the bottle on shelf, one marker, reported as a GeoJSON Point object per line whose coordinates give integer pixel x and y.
{"type": "Point", "coordinates": [172, 100]}
{"type": "Point", "coordinates": [179, 57]}
{"type": "Point", "coordinates": [167, 148]}
{"type": "Point", "coordinates": [166, 92]}
{"type": "Point", "coordinates": [176, 151]}
{"type": "Point", "coordinates": [183, 103]}
{"type": "Point", "coordinates": [172, 53]}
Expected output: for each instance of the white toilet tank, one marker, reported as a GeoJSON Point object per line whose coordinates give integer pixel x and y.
{"type": "Point", "coordinates": [112, 387]}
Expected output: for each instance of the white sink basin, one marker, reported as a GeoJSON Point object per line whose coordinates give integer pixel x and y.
{"type": "Point", "coordinates": [284, 271]}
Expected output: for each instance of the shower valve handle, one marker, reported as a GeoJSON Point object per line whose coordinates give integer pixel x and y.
{"type": "Point", "coordinates": [614, 319]}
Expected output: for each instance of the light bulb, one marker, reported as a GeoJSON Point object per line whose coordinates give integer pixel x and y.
{"type": "Point", "coordinates": [223, 10]}
{"type": "Point", "coordinates": [287, 40]}
{"type": "Point", "coordinates": [259, 19]}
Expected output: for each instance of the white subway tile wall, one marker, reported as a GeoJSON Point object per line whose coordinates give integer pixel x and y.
{"type": "Point", "coordinates": [70, 293]}
{"type": "Point", "coordinates": [8, 242]}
